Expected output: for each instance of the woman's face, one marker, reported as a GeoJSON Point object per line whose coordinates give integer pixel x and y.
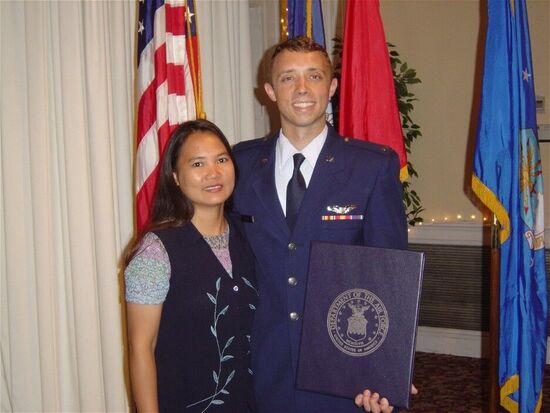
{"type": "Point", "coordinates": [204, 171]}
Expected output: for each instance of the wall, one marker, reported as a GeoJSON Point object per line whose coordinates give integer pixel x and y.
{"type": "Point", "coordinates": [444, 41]}
{"type": "Point", "coordinates": [441, 39]}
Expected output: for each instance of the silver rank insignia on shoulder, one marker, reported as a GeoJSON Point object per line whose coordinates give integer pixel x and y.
{"type": "Point", "coordinates": [337, 209]}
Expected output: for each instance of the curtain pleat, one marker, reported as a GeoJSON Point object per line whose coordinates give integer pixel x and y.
{"type": "Point", "coordinates": [226, 62]}
{"type": "Point", "coordinates": [66, 187]}
{"type": "Point", "coordinates": [66, 125]}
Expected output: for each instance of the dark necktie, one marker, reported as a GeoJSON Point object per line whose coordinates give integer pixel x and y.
{"type": "Point", "coordinates": [295, 191]}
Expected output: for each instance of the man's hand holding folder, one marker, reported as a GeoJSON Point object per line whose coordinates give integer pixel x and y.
{"type": "Point", "coordinates": [373, 403]}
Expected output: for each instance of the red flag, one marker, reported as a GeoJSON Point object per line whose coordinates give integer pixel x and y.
{"type": "Point", "coordinates": [167, 65]}
{"type": "Point", "coordinates": [368, 106]}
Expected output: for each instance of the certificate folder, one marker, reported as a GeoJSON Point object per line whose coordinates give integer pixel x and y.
{"type": "Point", "coordinates": [360, 319]}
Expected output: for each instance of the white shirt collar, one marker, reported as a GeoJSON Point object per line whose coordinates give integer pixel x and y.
{"type": "Point", "coordinates": [284, 164]}
{"type": "Point", "coordinates": [285, 149]}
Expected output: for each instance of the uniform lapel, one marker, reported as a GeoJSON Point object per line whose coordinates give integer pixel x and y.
{"type": "Point", "coordinates": [264, 187]}
{"type": "Point", "coordinates": [326, 179]}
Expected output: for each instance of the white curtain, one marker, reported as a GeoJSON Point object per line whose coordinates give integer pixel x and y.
{"type": "Point", "coordinates": [66, 199]}
{"type": "Point", "coordinates": [227, 74]}
{"type": "Point", "coordinates": [333, 18]}
{"type": "Point", "coordinates": [66, 127]}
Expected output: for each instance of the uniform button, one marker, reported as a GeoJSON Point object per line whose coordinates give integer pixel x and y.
{"type": "Point", "coordinates": [291, 246]}
{"type": "Point", "coordinates": [235, 288]}
{"type": "Point", "coordinates": [292, 281]}
{"type": "Point", "coordinates": [294, 316]}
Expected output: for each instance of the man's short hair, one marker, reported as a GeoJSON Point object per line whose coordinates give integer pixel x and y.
{"type": "Point", "coordinates": [301, 44]}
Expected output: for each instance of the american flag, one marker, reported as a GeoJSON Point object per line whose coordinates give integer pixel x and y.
{"type": "Point", "coordinates": [168, 87]}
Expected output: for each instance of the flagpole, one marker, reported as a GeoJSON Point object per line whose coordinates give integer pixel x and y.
{"type": "Point", "coordinates": [494, 322]}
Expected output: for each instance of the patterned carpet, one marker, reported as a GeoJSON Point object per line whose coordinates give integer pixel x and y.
{"type": "Point", "coordinates": [451, 384]}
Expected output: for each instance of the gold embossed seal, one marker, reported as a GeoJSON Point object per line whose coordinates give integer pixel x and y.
{"type": "Point", "coordinates": [357, 322]}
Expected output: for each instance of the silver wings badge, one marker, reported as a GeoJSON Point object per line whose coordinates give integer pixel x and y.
{"type": "Point", "coordinates": [337, 209]}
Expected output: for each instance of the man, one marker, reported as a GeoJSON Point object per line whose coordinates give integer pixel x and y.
{"type": "Point", "coordinates": [282, 199]}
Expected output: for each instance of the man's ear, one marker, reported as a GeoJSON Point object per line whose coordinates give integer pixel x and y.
{"type": "Point", "coordinates": [270, 91]}
{"type": "Point", "coordinates": [333, 86]}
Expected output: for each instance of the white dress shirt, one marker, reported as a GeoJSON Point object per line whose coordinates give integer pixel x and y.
{"type": "Point", "coordinates": [284, 163]}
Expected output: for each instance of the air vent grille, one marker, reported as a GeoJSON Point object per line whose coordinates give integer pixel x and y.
{"type": "Point", "coordinates": [455, 291]}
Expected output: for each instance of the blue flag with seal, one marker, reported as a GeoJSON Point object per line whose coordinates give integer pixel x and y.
{"type": "Point", "coordinates": [508, 180]}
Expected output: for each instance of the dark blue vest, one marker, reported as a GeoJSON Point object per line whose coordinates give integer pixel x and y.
{"type": "Point", "coordinates": [203, 347]}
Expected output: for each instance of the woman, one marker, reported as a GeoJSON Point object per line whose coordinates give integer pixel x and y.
{"type": "Point", "coordinates": [189, 285]}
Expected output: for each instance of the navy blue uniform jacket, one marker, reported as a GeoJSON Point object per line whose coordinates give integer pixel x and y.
{"type": "Point", "coordinates": [347, 172]}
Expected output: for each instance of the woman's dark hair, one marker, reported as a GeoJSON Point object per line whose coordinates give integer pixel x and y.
{"type": "Point", "coordinates": [171, 208]}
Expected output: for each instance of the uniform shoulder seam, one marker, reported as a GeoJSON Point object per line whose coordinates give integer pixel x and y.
{"type": "Point", "coordinates": [369, 146]}
{"type": "Point", "coordinates": [252, 143]}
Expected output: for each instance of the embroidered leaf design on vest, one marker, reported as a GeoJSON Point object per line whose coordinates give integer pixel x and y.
{"type": "Point", "coordinates": [247, 282]}
{"type": "Point", "coordinates": [224, 311]}
{"type": "Point", "coordinates": [229, 341]}
{"type": "Point", "coordinates": [217, 375]}
{"type": "Point", "coordinates": [229, 378]}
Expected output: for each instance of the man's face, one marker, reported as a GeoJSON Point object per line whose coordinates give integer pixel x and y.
{"type": "Point", "coordinates": [302, 86]}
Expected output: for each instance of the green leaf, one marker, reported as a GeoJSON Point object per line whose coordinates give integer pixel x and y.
{"type": "Point", "coordinates": [400, 89]}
